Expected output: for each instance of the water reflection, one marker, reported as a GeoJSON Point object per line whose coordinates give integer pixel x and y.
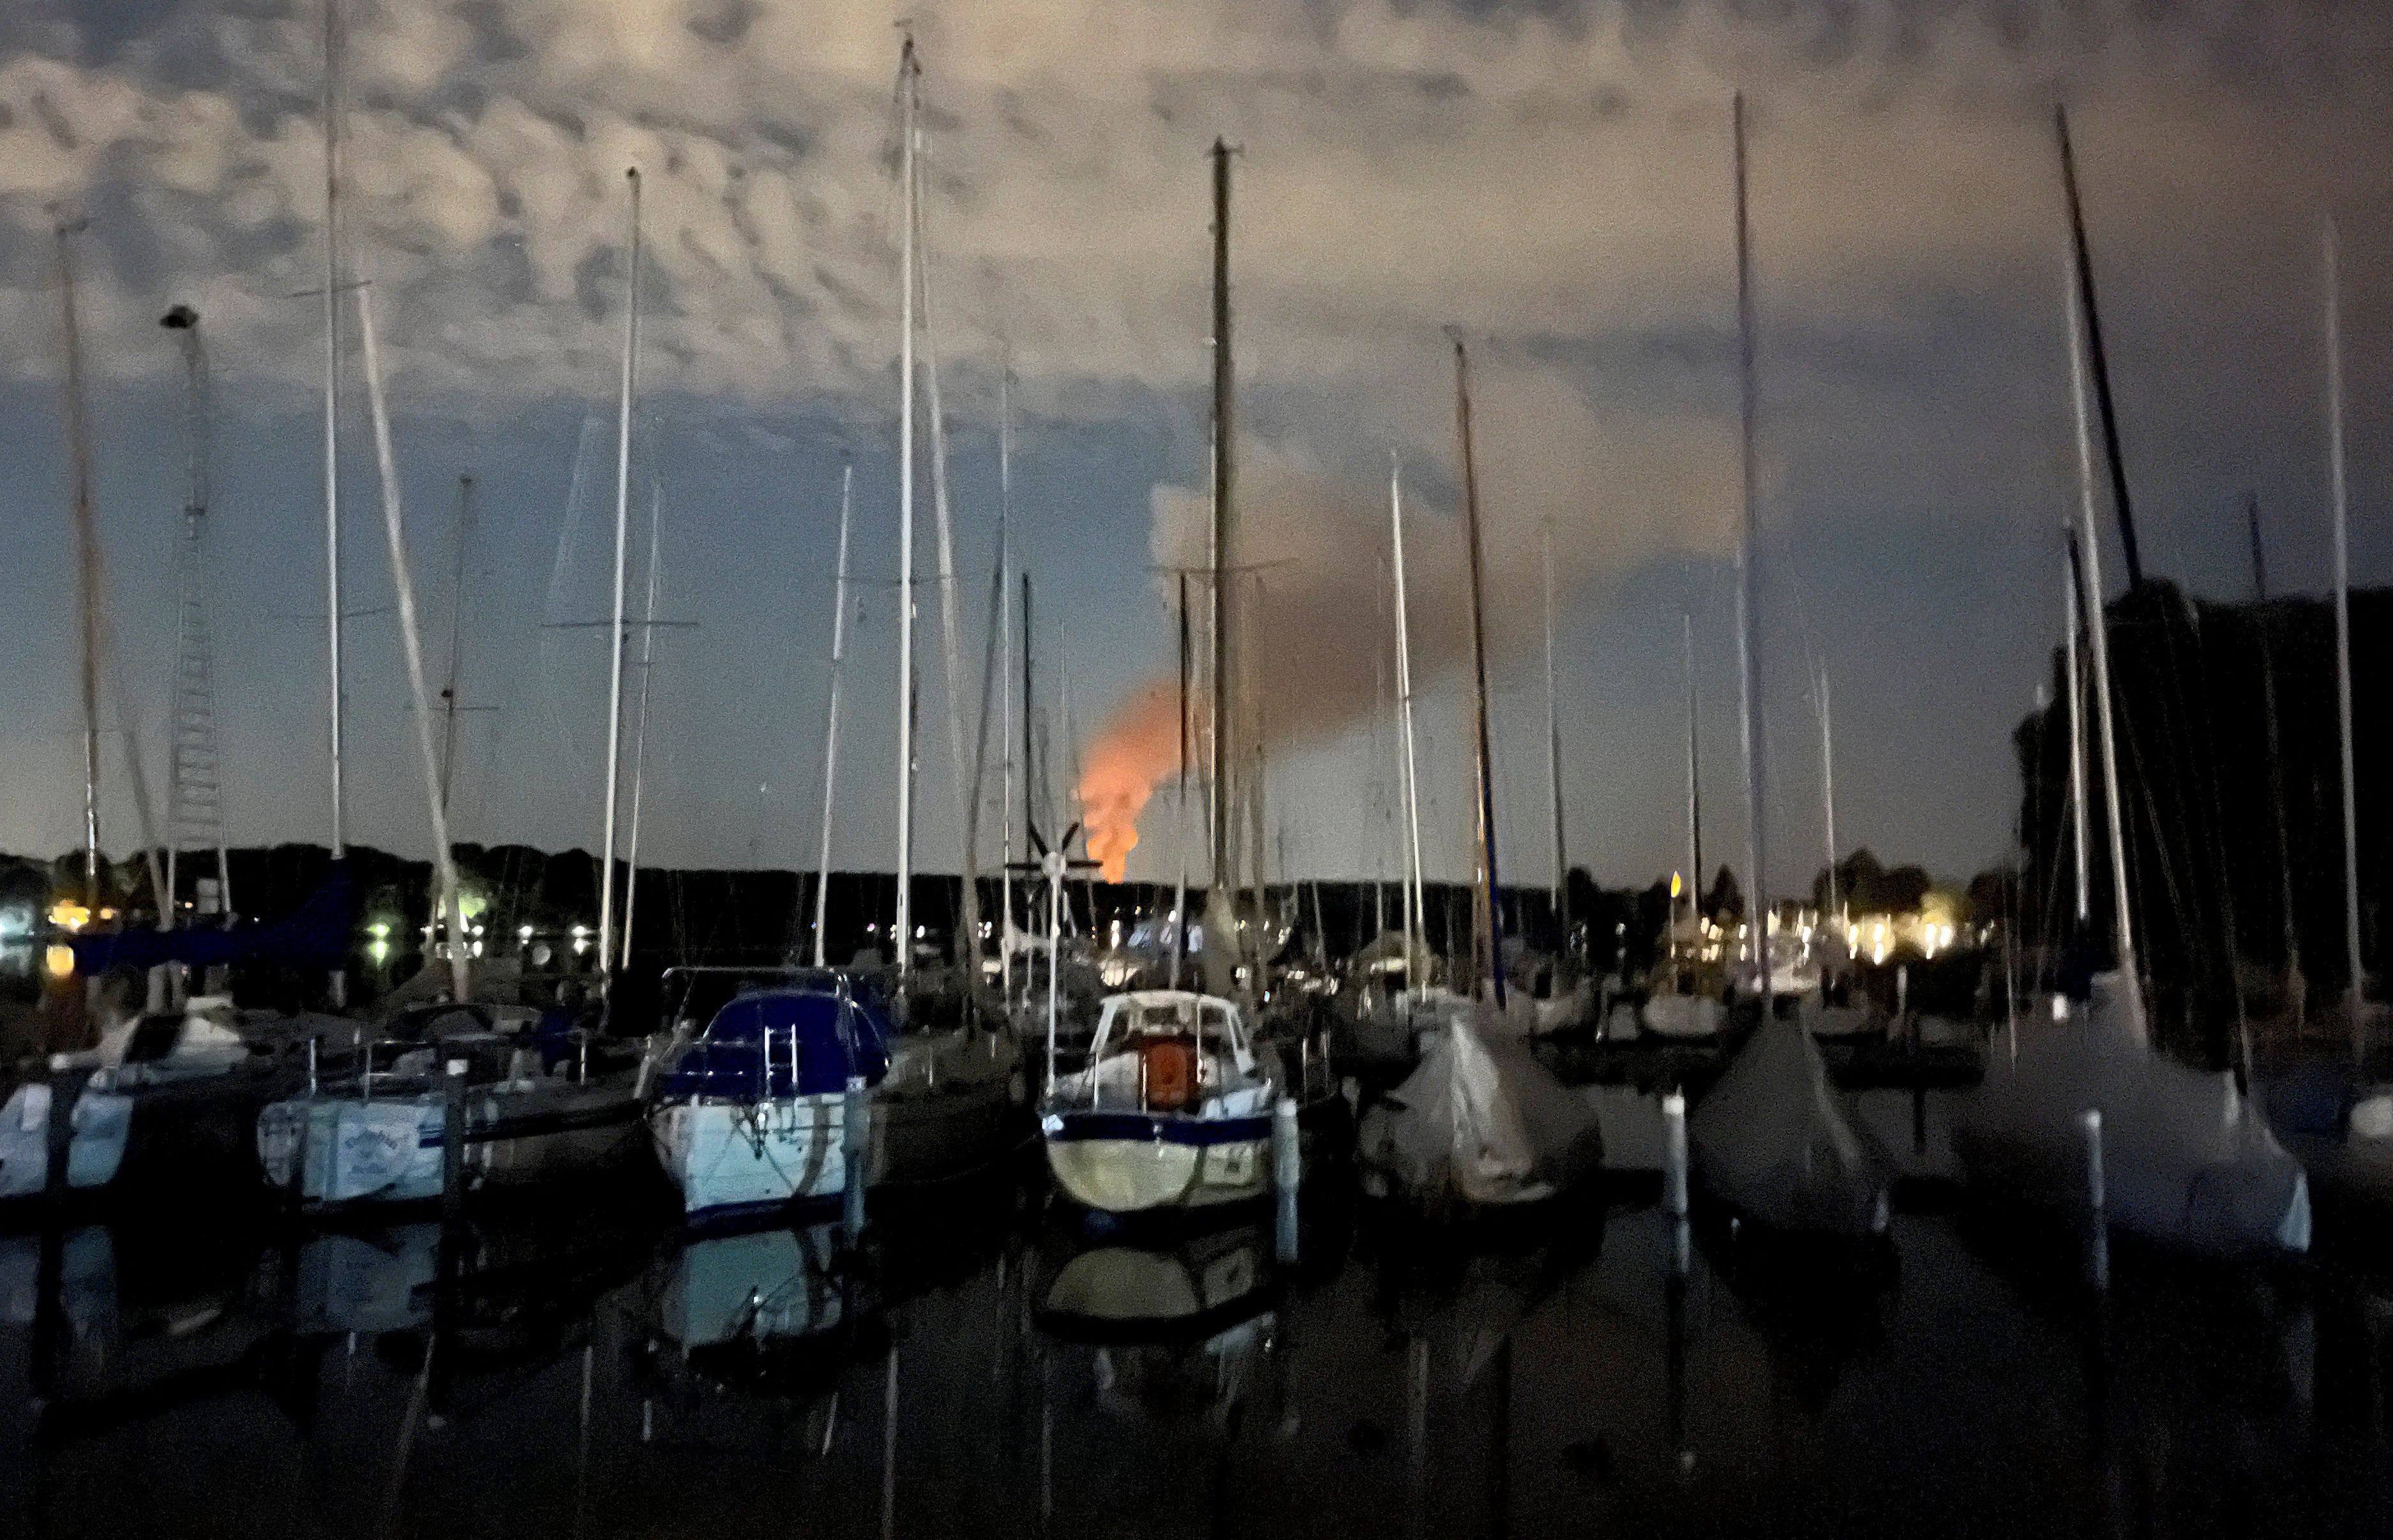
{"type": "Point", "coordinates": [989, 1367]}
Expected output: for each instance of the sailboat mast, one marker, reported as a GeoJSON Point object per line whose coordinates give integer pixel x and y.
{"type": "Point", "coordinates": [449, 701]}
{"type": "Point", "coordinates": [615, 633]}
{"type": "Point", "coordinates": [1006, 673]}
{"type": "Point", "coordinates": [2076, 742]}
{"type": "Point", "coordinates": [1828, 791]}
{"type": "Point", "coordinates": [334, 42]}
{"type": "Point", "coordinates": [2343, 633]}
{"type": "Point", "coordinates": [2082, 265]}
{"type": "Point", "coordinates": [1416, 908]}
{"type": "Point", "coordinates": [2097, 628]}
{"type": "Point", "coordinates": [1694, 786]}
{"type": "Point", "coordinates": [1222, 534]}
{"type": "Point", "coordinates": [1749, 606]}
{"type": "Point", "coordinates": [1554, 757]}
{"type": "Point", "coordinates": [903, 931]}
{"type": "Point", "coordinates": [640, 736]}
{"type": "Point", "coordinates": [2295, 984]}
{"type": "Point", "coordinates": [88, 581]}
{"type": "Point", "coordinates": [830, 723]}
{"type": "Point", "coordinates": [444, 859]}
{"type": "Point", "coordinates": [1486, 923]}
{"type": "Point", "coordinates": [1176, 929]}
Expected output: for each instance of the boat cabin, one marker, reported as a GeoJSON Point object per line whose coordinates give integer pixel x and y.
{"type": "Point", "coordinates": [1170, 1047]}
{"type": "Point", "coordinates": [799, 1038]}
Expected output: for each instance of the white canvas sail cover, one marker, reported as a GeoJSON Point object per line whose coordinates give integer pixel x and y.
{"type": "Point", "coordinates": [1772, 1139]}
{"type": "Point", "coordinates": [1481, 1120]}
{"type": "Point", "coordinates": [2187, 1160]}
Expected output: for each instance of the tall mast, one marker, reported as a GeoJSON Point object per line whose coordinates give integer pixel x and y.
{"type": "Point", "coordinates": [2098, 629]}
{"type": "Point", "coordinates": [450, 703]}
{"type": "Point", "coordinates": [2295, 981]}
{"type": "Point", "coordinates": [1486, 925]}
{"type": "Point", "coordinates": [2083, 265]}
{"type": "Point", "coordinates": [2076, 740]}
{"type": "Point", "coordinates": [1748, 597]}
{"type": "Point", "coordinates": [195, 805]}
{"type": "Point", "coordinates": [444, 860]}
{"type": "Point", "coordinates": [2342, 634]}
{"type": "Point", "coordinates": [1175, 929]}
{"type": "Point", "coordinates": [1554, 756]}
{"type": "Point", "coordinates": [1416, 910]}
{"type": "Point", "coordinates": [831, 723]}
{"type": "Point", "coordinates": [903, 931]}
{"type": "Point", "coordinates": [1223, 533]}
{"type": "Point", "coordinates": [334, 48]}
{"type": "Point", "coordinates": [615, 633]}
{"type": "Point", "coordinates": [640, 736]}
{"type": "Point", "coordinates": [1694, 787]}
{"type": "Point", "coordinates": [1004, 687]}
{"type": "Point", "coordinates": [87, 579]}
{"type": "Point", "coordinates": [1031, 776]}
{"type": "Point", "coordinates": [1828, 788]}
{"type": "Point", "coordinates": [965, 941]}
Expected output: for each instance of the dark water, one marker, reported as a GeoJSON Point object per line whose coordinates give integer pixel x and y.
{"type": "Point", "coordinates": [579, 1371]}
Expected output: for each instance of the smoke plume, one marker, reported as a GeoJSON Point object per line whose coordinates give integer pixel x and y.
{"type": "Point", "coordinates": [1315, 618]}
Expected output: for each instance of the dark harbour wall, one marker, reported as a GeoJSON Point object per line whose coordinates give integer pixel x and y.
{"type": "Point", "coordinates": [2234, 823]}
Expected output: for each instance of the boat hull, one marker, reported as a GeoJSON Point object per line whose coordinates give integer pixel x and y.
{"type": "Point", "coordinates": [1130, 1162]}
{"type": "Point", "coordinates": [338, 1151]}
{"type": "Point", "coordinates": [737, 1158]}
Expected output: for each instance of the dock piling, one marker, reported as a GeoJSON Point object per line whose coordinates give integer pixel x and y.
{"type": "Point", "coordinates": [1674, 1177]}
{"type": "Point", "coordinates": [856, 1147]}
{"type": "Point", "coordinates": [2098, 1238]}
{"type": "Point", "coordinates": [1288, 1174]}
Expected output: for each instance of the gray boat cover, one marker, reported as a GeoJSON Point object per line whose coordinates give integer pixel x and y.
{"type": "Point", "coordinates": [1771, 1141]}
{"type": "Point", "coordinates": [1482, 1122]}
{"type": "Point", "coordinates": [2187, 1160]}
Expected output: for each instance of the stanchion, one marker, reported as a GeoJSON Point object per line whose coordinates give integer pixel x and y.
{"type": "Point", "coordinates": [1288, 1174]}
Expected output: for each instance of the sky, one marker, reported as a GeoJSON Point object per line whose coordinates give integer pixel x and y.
{"type": "Point", "coordinates": [1553, 180]}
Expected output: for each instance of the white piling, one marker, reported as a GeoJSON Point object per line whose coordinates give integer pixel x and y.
{"type": "Point", "coordinates": [1288, 1174]}
{"type": "Point", "coordinates": [856, 1152]}
{"type": "Point", "coordinates": [2098, 1240]}
{"type": "Point", "coordinates": [1674, 1177]}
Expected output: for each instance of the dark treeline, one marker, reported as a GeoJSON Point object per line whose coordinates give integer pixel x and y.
{"type": "Point", "coordinates": [2234, 825]}
{"type": "Point", "coordinates": [720, 917]}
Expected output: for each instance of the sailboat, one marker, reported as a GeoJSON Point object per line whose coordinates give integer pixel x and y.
{"type": "Point", "coordinates": [1178, 1107]}
{"type": "Point", "coordinates": [1771, 1140]}
{"type": "Point", "coordinates": [518, 1103]}
{"type": "Point", "coordinates": [2178, 1156]}
{"type": "Point", "coordinates": [1480, 1123]}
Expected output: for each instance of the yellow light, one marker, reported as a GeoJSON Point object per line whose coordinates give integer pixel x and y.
{"type": "Point", "coordinates": [1677, 885]}
{"type": "Point", "coordinates": [68, 915]}
{"type": "Point", "coordinates": [58, 962]}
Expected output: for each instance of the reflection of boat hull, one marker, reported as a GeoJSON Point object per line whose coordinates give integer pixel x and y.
{"type": "Point", "coordinates": [337, 1150]}
{"type": "Point", "coordinates": [1130, 1294]}
{"type": "Point", "coordinates": [763, 1284]}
